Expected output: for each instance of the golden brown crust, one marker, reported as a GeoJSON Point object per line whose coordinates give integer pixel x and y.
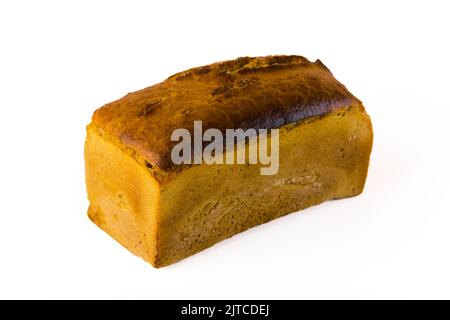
{"type": "Point", "coordinates": [248, 92]}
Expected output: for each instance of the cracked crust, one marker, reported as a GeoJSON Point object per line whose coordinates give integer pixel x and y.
{"type": "Point", "coordinates": [249, 92]}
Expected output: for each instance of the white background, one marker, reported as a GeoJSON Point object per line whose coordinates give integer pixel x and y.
{"type": "Point", "coordinates": [60, 60]}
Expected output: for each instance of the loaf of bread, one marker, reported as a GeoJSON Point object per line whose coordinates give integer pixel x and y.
{"type": "Point", "coordinates": [164, 211]}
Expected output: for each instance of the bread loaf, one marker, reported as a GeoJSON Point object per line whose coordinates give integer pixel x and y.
{"type": "Point", "coordinates": [163, 211]}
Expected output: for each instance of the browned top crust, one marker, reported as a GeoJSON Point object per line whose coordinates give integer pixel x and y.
{"type": "Point", "coordinates": [248, 92]}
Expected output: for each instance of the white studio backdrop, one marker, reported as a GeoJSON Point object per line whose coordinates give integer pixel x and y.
{"type": "Point", "coordinates": [60, 60]}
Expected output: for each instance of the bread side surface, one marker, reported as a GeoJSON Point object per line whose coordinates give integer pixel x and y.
{"type": "Point", "coordinates": [249, 92]}
{"type": "Point", "coordinates": [323, 158]}
{"type": "Point", "coordinates": [123, 194]}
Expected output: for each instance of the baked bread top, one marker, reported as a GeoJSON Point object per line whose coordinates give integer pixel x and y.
{"type": "Point", "coordinates": [248, 92]}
